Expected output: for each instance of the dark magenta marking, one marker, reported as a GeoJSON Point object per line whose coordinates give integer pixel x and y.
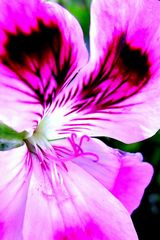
{"type": "Point", "coordinates": [35, 44]}
{"type": "Point", "coordinates": [133, 61]}
{"type": "Point", "coordinates": [122, 67]}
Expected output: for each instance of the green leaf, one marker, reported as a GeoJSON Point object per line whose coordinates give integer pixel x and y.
{"type": "Point", "coordinates": [9, 138]}
{"type": "Point", "coordinates": [6, 145]}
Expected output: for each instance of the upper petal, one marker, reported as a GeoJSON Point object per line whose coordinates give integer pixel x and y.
{"type": "Point", "coordinates": [117, 93]}
{"type": "Point", "coordinates": [42, 48]}
{"type": "Point", "coordinates": [124, 38]}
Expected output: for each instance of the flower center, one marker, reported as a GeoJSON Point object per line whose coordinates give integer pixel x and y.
{"type": "Point", "coordinates": [49, 158]}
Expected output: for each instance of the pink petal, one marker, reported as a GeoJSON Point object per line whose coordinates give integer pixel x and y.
{"type": "Point", "coordinates": [14, 179]}
{"type": "Point", "coordinates": [117, 93]}
{"type": "Point", "coordinates": [80, 208]}
{"type": "Point", "coordinates": [119, 28]}
{"type": "Point", "coordinates": [123, 174]}
{"type": "Point", "coordinates": [42, 48]}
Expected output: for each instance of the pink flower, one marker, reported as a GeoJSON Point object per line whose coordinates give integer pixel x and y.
{"type": "Point", "coordinates": [62, 184]}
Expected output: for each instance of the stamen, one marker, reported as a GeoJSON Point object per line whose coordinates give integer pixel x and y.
{"type": "Point", "coordinates": [52, 161]}
{"type": "Point", "coordinates": [77, 147]}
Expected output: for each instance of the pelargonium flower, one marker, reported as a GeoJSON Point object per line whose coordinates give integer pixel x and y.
{"type": "Point", "coordinates": [63, 183]}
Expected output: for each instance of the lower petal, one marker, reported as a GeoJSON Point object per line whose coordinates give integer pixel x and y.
{"type": "Point", "coordinates": [80, 208]}
{"type": "Point", "coordinates": [123, 174]}
{"type": "Point", "coordinates": [14, 179]}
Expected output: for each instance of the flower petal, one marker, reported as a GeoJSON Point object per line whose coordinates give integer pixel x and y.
{"type": "Point", "coordinates": [14, 180]}
{"type": "Point", "coordinates": [42, 48]}
{"type": "Point", "coordinates": [123, 174]}
{"type": "Point", "coordinates": [81, 208]}
{"type": "Point", "coordinates": [117, 93]}
{"type": "Point", "coordinates": [124, 39]}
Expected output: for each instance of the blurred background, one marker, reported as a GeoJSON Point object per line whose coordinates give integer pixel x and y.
{"type": "Point", "coordinates": [147, 217]}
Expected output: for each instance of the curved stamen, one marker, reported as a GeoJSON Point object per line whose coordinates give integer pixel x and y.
{"type": "Point", "coordinates": [77, 147]}
{"type": "Point", "coordinates": [52, 160]}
